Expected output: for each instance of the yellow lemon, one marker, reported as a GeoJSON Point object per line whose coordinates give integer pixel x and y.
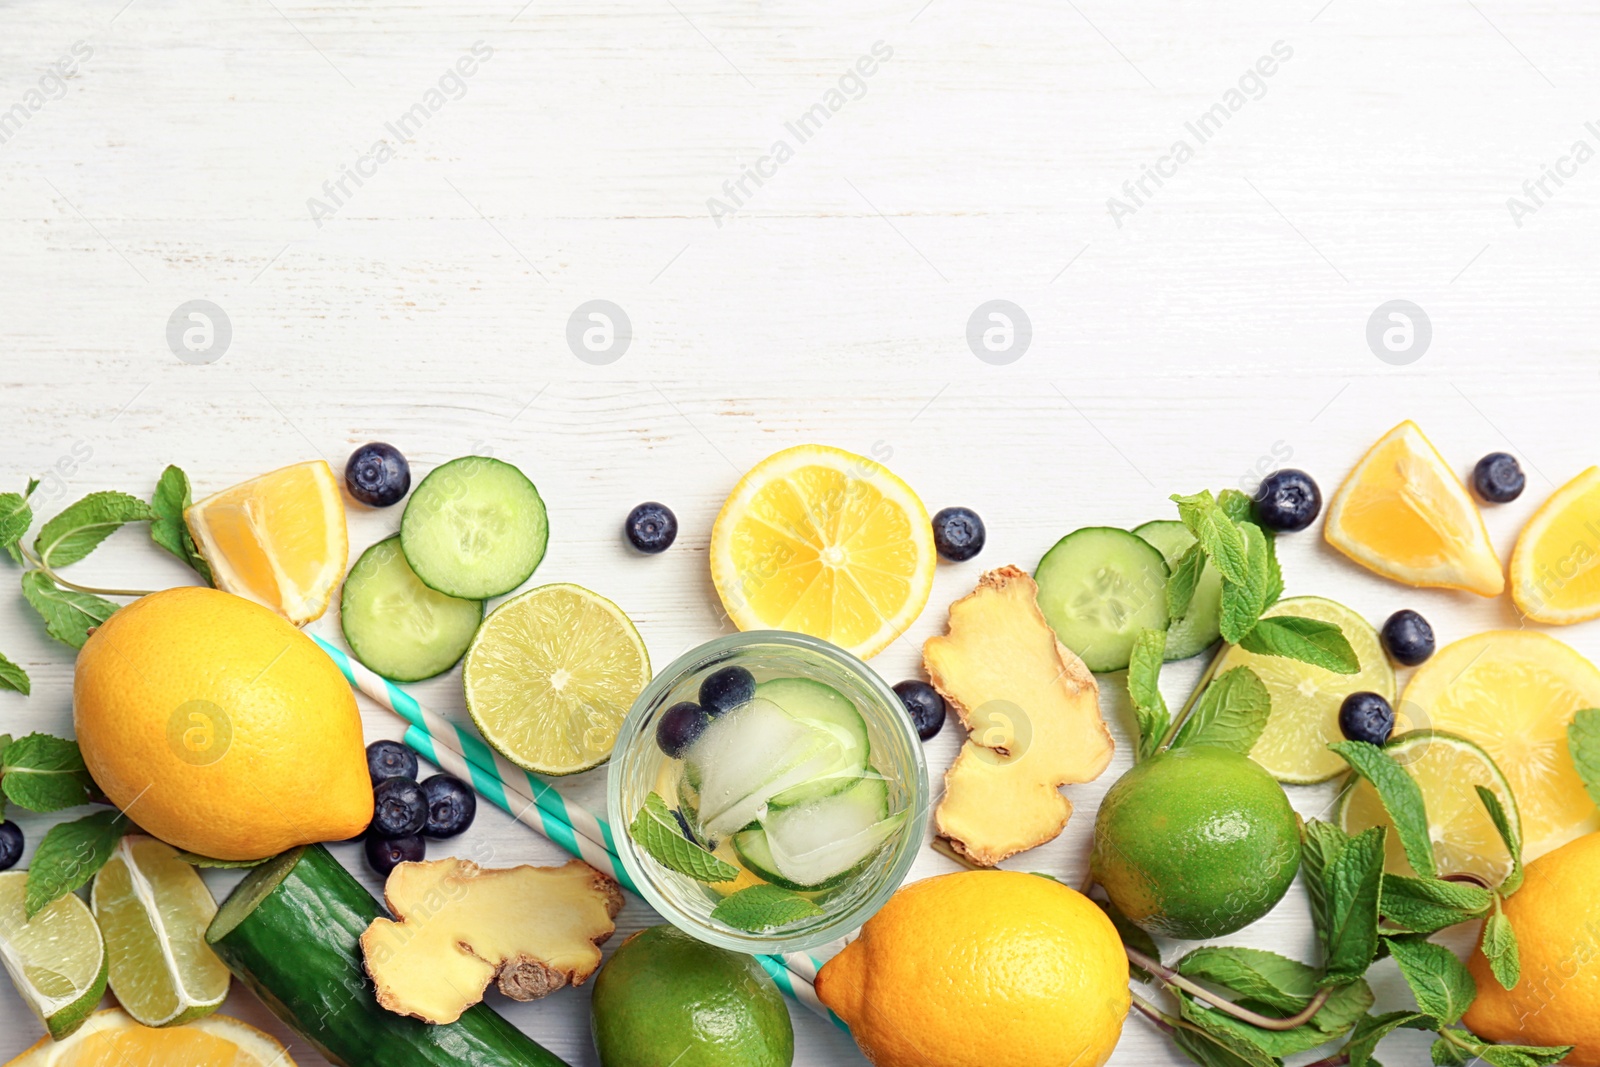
{"type": "Point", "coordinates": [1554, 577]}
{"type": "Point", "coordinates": [1404, 514]}
{"type": "Point", "coordinates": [279, 539]}
{"type": "Point", "coordinates": [1512, 693]}
{"type": "Point", "coordinates": [1556, 917]}
{"type": "Point", "coordinates": [982, 969]}
{"type": "Point", "coordinates": [111, 1039]}
{"type": "Point", "coordinates": [827, 543]}
{"type": "Point", "coordinates": [219, 727]}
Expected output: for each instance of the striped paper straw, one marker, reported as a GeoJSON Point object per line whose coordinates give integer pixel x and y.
{"type": "Point", "coordinates": [460, 751]}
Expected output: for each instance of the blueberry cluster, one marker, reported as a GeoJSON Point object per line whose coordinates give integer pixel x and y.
{"type": "Point", "coordinates": [405, 812]}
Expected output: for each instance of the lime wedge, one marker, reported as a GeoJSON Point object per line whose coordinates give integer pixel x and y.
{"type": "Point", "coordinates": [1305, 699]}
{"type": "Point", "coordinates": [551, 675]}
{"type": "Point", "coordinates": [153, 910]}
{"type": "Point", "coordinates": [57, 960]}
{"type": "Point", "coordinates": [1447, 769]}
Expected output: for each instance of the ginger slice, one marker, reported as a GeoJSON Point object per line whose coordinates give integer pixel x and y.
{"type": "Point", "coordinates": [461, 926]}
{"type": "Point", "coordinates": [1033, 712]}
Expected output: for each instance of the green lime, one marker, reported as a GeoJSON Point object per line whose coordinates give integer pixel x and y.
{"type": "Point", "coordinates": [1196, 842]}
{"type": "Point", "coordinates": [666, 998]}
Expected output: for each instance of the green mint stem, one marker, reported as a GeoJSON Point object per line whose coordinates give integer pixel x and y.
{"type": "Point", "coordinates": [1265, 1022]}
{"type": "Point", "coordinates": [39, 564]}
{"type": "Point", "coordinates": [1162, 1020]}
{"type": "Point", "coordinates": [1194, 697]}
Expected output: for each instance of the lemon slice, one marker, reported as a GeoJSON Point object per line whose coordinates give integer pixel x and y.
{"type": "Point", "coordinates": [827, 543]}
{"type": "Point", "coordinates": [1448, 770]}
{"type": "Point", "coordinates": [551, 675]}
{"type": "Point", "coordinates": [278, 539]}
{"type": "Point", "coordinates": [57, 960]}
{"type": "Point", "coordinates": [1555, 568]}
{"type": "Point", "coordinates": [1305, 698]}
{"type": "Point", "coordinates": [1513, 692]}
{"type": "Point", "coordinates": [1404, 514]}
{"type": "Point", "coordinates": [153, 910]}
{"type": "Point", "coordinates": [111, 1039]}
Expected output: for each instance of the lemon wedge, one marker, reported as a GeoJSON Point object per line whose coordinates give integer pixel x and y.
{"type": "Point", "coordinates": [1555, 568]}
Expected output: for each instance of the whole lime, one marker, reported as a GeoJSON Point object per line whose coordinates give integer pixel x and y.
{"type": "Point", "coordinates": [666, 998]}
{"type": "Point", "coordinates": [1196, 842]}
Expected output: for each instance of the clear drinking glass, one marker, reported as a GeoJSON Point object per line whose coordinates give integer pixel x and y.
{"type": "Point", "coordinates": [639, 767]}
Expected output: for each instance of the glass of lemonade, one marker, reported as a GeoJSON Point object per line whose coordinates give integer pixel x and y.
{"type": "Point", "coordinates": [816, 783]}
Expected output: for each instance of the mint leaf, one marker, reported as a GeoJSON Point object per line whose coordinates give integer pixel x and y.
{"type": "Point", "coordinates": [1144, 689]}
{"type": "Point", "coordinates": [1401, 798]}
{"type": "Point", "coordinates": [1500, 948]}
{"type": "Point", "coordinates": [1583, 740]}
{"type": "Point", "coordinates": [655, 829]}
{"type": "Point", "coordinates": [1438, 979]}
{"type": "Point", "coordinates": [44, 773]}
{"type": "Point", "coordinates": [1336, 1017]}
{"type": "Point", "coordinates": [1183, 581]}
{"type": "Point", "coordinates": [14, 677]}
{"type": "Point", "coordinates": [15, 518]}
{"type": "Point", "coordinates": [1466, 1046]}
{"type": "Point", "coordinates": [1510, 834]}
{"type": "Point", "coordinates": [71, 854]}
{"type": "Point", "coordinates": [79, 529]}
{"type": "Point", "coordinates": [1231, 713]}
{"type": "Point", "coordinates": [763, 907]}
{"type": "Point", "coordinates": [1132, 936]}
{"type": "Point", "coordinates": [168, 529]}
{"type": "Point", "coordinates": [1207, 1051]}
{"type": "Point", "coordinates": [68, 614]}
{"type": "Point", "coordinates": [1426, 905]}
{"type": "Point", "coordinates": [1349, 885]}
{"type": "Point", "coordinates": [1267, 981]}
{"type": "Point", "coordinates": [1219, 537]}
{"type": "Point", "coordinates": [1446, 1053]}
{"type": "Point", "coordinates": [194, 859]}
{"type": "Point", "coordinates": [1243, 602]}
{"type": "Point", "coordinates": [1321, 644]}
{"type": "Point", "coordinates": [1374, 1028]}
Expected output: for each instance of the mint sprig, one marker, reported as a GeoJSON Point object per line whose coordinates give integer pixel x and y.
{"type": "Point", "coordinates": [71, 854]}
{"type": "Point", "coordinates": [1231, 713]}
{"type": "Point", "coordinates": [1144, 690]}
{"type": "Point", "coordinates": [1401, 798]}
{"type": "Point", "coordinates": [1345, 877]}
{"type": "Point", "coordinates": [1321, 644]}
{"type": "Point", "coordinates": [1499, 946]}
{"type": "Point", "coordinates": [15, 518]}
{"type": "Point", "coordinates": [1438, 979]}
{"type": "Point", "coordinates": [68, 614]}
{"type": "Point", "coordinates": [45, 774]}
{"type": "Point", "coordinates": [167, 528]}
{"type": "Point", "coordinates": [763, 907]}
{"type": "Point", "coordinates": [655, 829]}
{"type": "Point", "coordinates": [78, 530]}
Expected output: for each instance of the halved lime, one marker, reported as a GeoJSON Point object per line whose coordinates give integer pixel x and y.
{"type": "Point", "coordinates": [153, 910]}
{"type": "Point", "coordinates": [1305, 699]}
{"type": "Point", "coordinates": [57, 959]}
{"type": "Point", "coordinates": [551, 675]}
{"type": "Point", "coordinates": [1448, 769]}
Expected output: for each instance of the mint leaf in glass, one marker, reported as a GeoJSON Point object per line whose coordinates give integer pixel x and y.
{"type": "Point", "coordinates": [655, 829]}
{"type": "Point", "coordinates": [763, 907]}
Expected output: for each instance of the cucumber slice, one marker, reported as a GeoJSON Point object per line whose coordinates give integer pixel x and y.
{"type": "Point", "coordinates": [475, 528]}
{"type": "Point", "coordinates": [398, 626]}
{"type": "Point", "coordinates": [1098, 587]}
{"type": "Point", "coordinates": [821, 843]}
{"type": "Point", "coordinates": [825, 708]}
{"type": "Point", "coordinates": [749, 756]}
{"type": "Point", "coordinates": [1201, 624]}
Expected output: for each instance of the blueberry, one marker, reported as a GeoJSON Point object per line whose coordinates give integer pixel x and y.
{"type": "Point", "coordinates": [958, 534]}
{"type": "Point", "coordinates": [1288, 500]}
{"type": "Point", "coordinates": [651, 527]}
{"type": "Point", "coordinates": [377, 475]}
{"type": "Point", "coordinates": [1366, 717]}
{"type": "Point", "coordinates": [399, 808]}
{"type": "Point", "coordinates": [679, 727]}
{"type": "Point", "coordinates": [1408, 638]}
{"type": "Point", "coordinates": [384, 854]}
{"type": "Point", "coordinates": [451, 806]}
{"type": "Point", "coordinates": [10, 845]}
{"type": "Point", "coordinates": [1498, 478]}
{"type": "Point", "coordinates": [724, 690]}
{"type": "Point", "coordinates": [924, 705]}
{"type": "Point", "coordinates": [390, 759]}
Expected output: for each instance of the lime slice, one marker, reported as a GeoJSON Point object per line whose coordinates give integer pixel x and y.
{"type": "Point", "coordinates": [1305, 699]}
{"type": "Point", "coordinates": [551, 675]}
{"type": "Point", "coordinates": [57, 960]}
{"type": "Point", "coordinates": [1447, 769]}
{"type": "Point", "coordinates": [153, 910]}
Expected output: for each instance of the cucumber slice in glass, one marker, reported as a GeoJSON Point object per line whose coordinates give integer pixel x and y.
{"type": "Point", "coordinates": [825, 708]}
{"type": "Point", "coordinates": [475, 528]}
{"type": "Point", "coordinates": [1098, 587]}
{"type": "Point", "coordinates": [820, 843]}
{"type": "Point", "coordinates": [751, 755]}
{"type": "Point", "coordinates": [1201, 624]}
{"type": "Point", "coordinates": [396, 625]}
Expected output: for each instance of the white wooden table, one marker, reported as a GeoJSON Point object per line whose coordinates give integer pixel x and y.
{"type": "Point", "coordinates": [1206, 327]}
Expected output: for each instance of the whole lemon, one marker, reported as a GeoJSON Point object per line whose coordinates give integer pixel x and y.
{"type": "Point", "coordinates": [982, 969]}
{"type": "Point", "coordinates": [219, 727]}
{"type": "Point", "coordinates": [1556, 917]}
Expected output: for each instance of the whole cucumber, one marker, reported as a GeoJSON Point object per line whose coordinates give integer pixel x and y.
{"type": "Point", "coordinates": [291, 932]}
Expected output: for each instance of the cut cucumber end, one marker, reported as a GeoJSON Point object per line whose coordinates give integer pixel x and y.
{"type": "Point", "coordinates": [1201, 625]}
{"type": "Point", "coordinates": [475, 528]}
{"type": "Point", "coordinates": [396, 625]}
{"type": "Point", "coordinates": [249, 893]}
{"type": "Point", "coordinates": [1098, 587]}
